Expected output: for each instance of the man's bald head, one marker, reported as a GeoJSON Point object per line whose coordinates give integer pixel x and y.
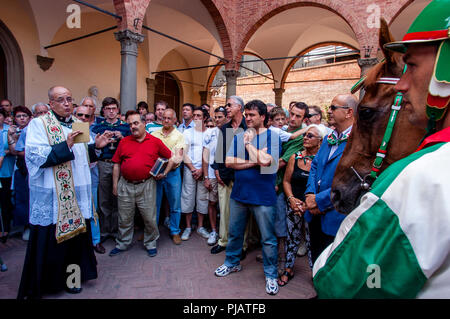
{"type": "Point", "coordinates": [347, 99]}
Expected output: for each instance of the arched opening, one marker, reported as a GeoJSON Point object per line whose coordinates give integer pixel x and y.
{"type": "Point", "coordinates": [322, 71]}
{"type": "Point", "coordinates": [167, 89]}
{"type": "Point", "coordinates": [13, 69]}
{"type": "Point", "coordinates": [254, 82]}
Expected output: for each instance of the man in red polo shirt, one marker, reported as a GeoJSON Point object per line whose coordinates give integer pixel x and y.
{"type": "Point", "coordinates": [133, 184]}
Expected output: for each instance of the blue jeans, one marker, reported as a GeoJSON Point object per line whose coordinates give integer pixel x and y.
{"type": "Point", "coordinates": [171, 185]}
{"type": "Point", "coordinates": [281, 215]}
{"type": "Point", "coordinates": [265, 218]}
{"type": "Point", "coordinates": [95, 229]}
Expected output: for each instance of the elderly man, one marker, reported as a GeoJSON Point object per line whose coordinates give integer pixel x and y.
{"type": "Point", "coordinates": [60, 201]}
{"type": "Point", "coordinates": [254, 157]}
{"type": "Point", "coordinates": [134, 186]}
{"type": "Point", "coordinates": [91, 103]}
{"type": "Point", "coordinates": [170, 184]}
{"type": "Point", "coordinates": [401, 229]}
{"type": "Point", "coordinates": [108, 201]}
{"type": "Point", "coordinates": [323, 219]}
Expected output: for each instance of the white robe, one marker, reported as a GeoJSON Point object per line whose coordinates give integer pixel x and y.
{"type": "Point", "coordinates": [43, 197]}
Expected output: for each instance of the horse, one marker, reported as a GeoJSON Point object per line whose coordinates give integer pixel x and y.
{"type": "Point", "coordinates": [353, 176]}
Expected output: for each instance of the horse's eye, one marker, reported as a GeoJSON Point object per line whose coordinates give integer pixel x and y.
{"type": "Point", "coordinates": [366, 114]}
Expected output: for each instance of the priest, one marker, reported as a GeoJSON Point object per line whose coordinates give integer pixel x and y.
{"type": "Point", "coordinates": [60, 243]}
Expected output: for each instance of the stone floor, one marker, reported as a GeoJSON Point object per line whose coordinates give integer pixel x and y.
{"type": "Point", "coordinates": [177, 272]}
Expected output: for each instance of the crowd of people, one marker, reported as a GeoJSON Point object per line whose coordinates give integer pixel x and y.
{"type": "Point", "coordinates": [206, 164]}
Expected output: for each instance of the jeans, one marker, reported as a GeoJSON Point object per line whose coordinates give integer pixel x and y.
{"type": "Point", "coordinates": [280, 219]}
{"type": "Point", "coordinates": [265, 218]}
{"type": "Point", "coordinates": [171, 185]}
{"type": "Point", "coordinates": [95, 227]}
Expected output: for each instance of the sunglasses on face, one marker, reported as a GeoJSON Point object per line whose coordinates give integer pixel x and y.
{"type": "Point", "coordinates": [86, 116]}
{"type": "Point", "coordinates": [335, 107]}
{"type": "Point", "coordinates": [310, 135]}
{"type": "Point", "coordinates": [312, 114]}
{"type": "Point", "coordinates": [209, 126]}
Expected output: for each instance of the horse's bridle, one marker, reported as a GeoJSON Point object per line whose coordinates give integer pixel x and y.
{"type": "Point", "coordinates": [382, 150]}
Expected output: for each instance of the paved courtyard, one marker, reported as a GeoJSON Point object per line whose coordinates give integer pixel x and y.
{"type": "Point", "coordinates": [177, 272]}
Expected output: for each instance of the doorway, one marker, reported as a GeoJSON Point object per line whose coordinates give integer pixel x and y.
{"type": "Point", "coordinates": [167, 89]}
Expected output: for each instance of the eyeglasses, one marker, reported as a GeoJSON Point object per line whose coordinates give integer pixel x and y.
{"type": "Point", "coordinates": [111, 109]}
{"type": "Point", "coordinates": [335, 107]}
{"type": "Point", "coordinates": [86, 116]}
{"type": "Point", "coordinates": [310, 135]}
{"type": "Point", "coordinates": [61, 100]}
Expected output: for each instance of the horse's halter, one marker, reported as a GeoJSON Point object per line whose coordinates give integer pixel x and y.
{"type": "Point", "coordinates": [381, 154]}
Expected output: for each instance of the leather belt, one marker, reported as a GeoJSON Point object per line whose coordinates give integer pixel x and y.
{"type": "Point", "coordinates": [137, 182]}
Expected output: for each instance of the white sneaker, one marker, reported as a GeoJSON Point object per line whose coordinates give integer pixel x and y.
{"type": "Point", "coordinates": [213, 236]}
{"type": "Point", "coordinates": [224, 270]}
{"type": "Point", "coordinates": [203, 232]}
{"type": "Point", "coordinates": [167, 222]}
{"type": "Point", "coordinates": [26, 234]}
{"type": "Point", "coordinates": [186, 234]}
{"type": "Point", "coordinates": [271, 286]}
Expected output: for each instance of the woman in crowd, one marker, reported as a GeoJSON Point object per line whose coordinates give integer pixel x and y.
{"type": "Point", "coordinates": [6, 172]}
{"type": "Point", "coordinates": [22, 117]}
{"type": "Point", "coordinates": [294, 184]}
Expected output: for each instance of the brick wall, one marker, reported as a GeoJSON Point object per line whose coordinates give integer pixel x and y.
{"type": "Point", "coordinates": [325, 82]}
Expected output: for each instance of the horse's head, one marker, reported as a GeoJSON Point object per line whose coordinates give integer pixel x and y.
{"type": "Point", "coordinates": [369, 126]}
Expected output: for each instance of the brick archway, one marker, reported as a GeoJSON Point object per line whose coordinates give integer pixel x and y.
{"type": "Point", "coordinates": [315, 46]}
{"type": "Point", "coordinates": [275, 7]}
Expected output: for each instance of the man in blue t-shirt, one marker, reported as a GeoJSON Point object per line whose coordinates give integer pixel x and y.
{"type": "Point", "coordinates": [253, 155]}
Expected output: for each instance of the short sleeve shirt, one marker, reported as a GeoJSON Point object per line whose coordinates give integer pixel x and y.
{"type": "Point", "coordinates": [136, 159]}
{"type": "Point", "coordinates": [256, 185]}
{"type": "Point", "coordinates": [210, 142]}
{"type": "Point", "coordinates": [194, 142]}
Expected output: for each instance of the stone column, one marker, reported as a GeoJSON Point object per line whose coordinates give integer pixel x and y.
{"type": "Point", "coordinates": [366, 64]}
{"type": "Point", "coordinates": [129, 50]}
{"type": "Point", "coordinates": [203, 97]}
{"type": "Point", "coordinates": [151, 85]}
{"type": "Point", "coordinates": [279, 96]}
{"type": "Point", "coordinates": [231, 77]}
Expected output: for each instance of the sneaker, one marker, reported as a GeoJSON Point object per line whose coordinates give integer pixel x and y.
{"type": "Point", "coordinates": [203, 232]}
{"type": "Point", "coordinates": [186, 234]}
{"type": "Point", "coordinates": [176, 239]}
{"type": "Point", "coordinates": [115, 252]}
{"type": "Point", "coordinates": [271, 286]}
{"type": "Point", "coordinates": [224, 270]}
{"type": "Point", "coordinates": [213, 236]}
{"type": "Point", "coordinates": [167, 222]}
{"type": "Point", "coordinates": [26, 234]}
{"type": "Point", "coordinates": [152, 252]}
